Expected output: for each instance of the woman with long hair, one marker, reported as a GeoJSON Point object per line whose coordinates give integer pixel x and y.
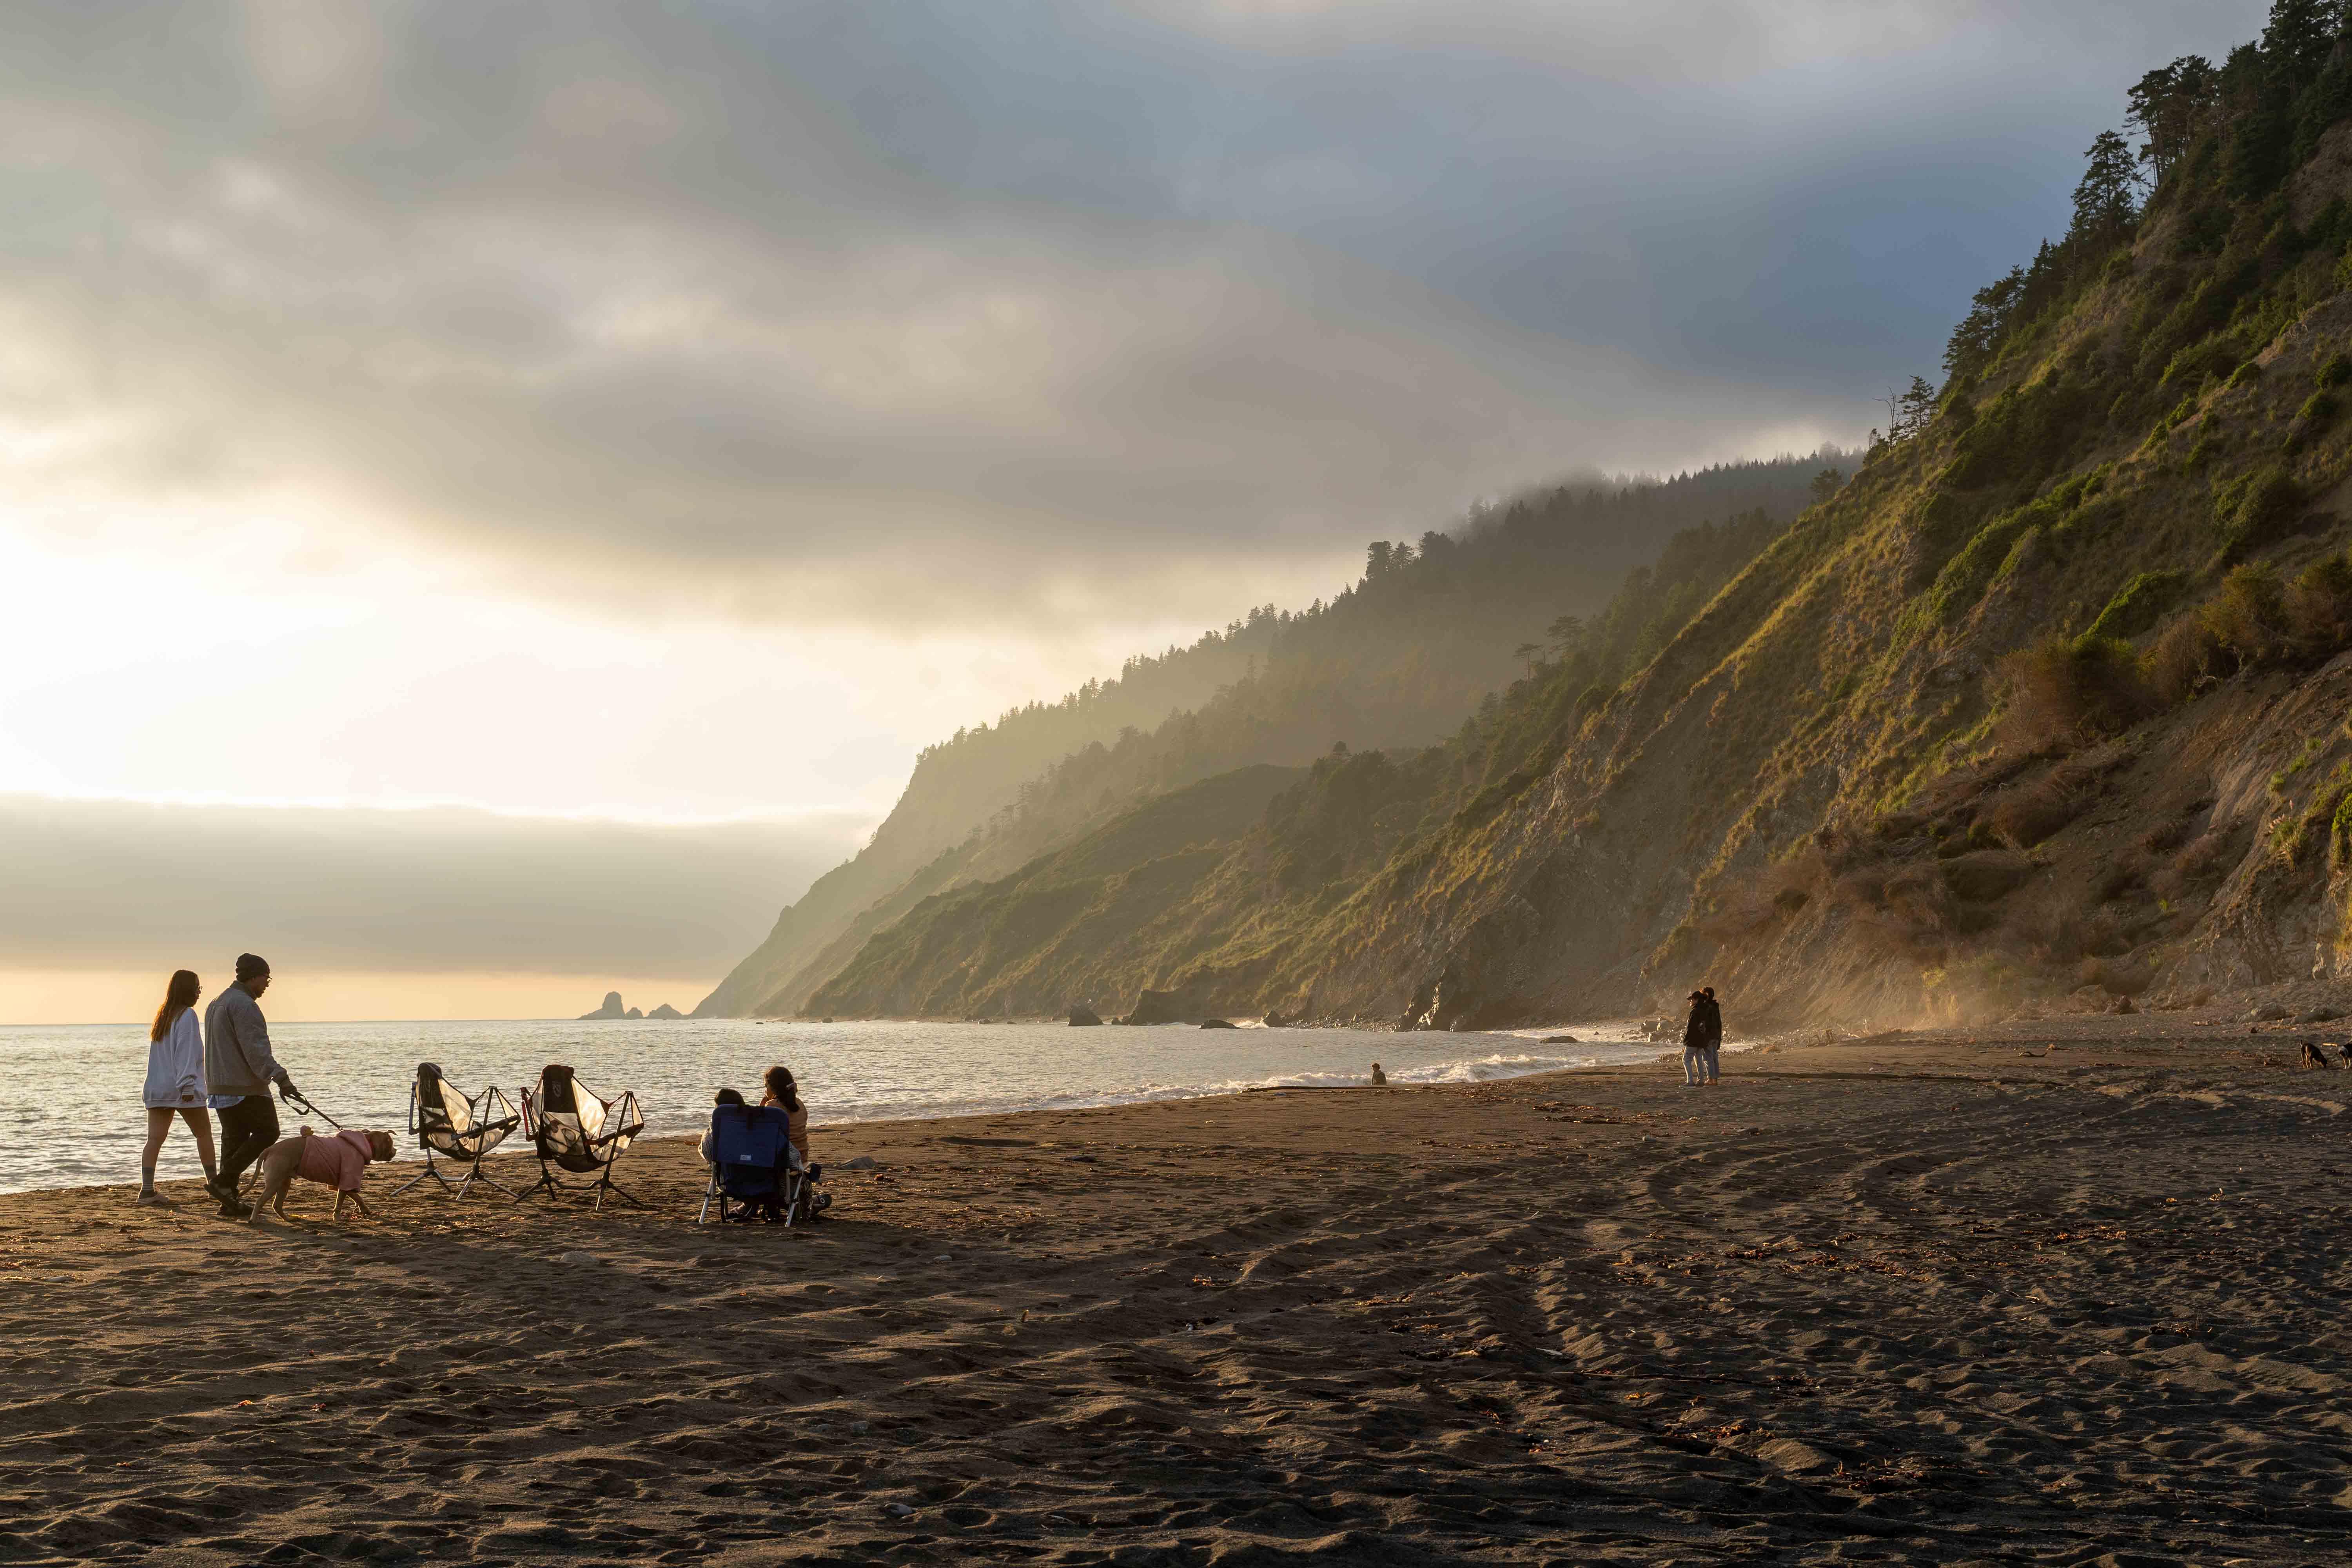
{"type": "Point", "coordinates": [782, 1091]}
{"type": "Point", "coordinates": [175, 1079]}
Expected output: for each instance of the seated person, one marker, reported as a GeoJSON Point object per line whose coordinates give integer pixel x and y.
{"type": "Point", "coordinates": [724, 1097]}
{"type": "Point", "coordinates": [752, 1208]}
{"type": "Point", "coordinates": [785, 1093]}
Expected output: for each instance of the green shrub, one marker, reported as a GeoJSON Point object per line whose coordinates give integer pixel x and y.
{"type": "Point", "coordinates": [2257, 507]}
{"type": "Point", "coordinates": [2215, 356]}
{"type": "Point", "coordinates": [2067, 688]}
{"type": "Point", "coordinates": [2245, 375]}
{"type": "Point", "coordinates": [2201, 315]}
{"type": "Point", "coordinates": [2328, 230]}
{"type": "Point", "coordinates": [2248, 618]}
{"type": "Point", "coordinates": [2139, 603]}
{"type": "Point", "coordinates": [2186, 657]}
{"type": "Point", "coordinates": [2318, 412]}
{"type": "Point", "coordinates": [2203, 232]}
{"type": "Point", "coordinates": [1946, 523]}
{"type": "Point", "coordinates": [1964, 577]}
{"type": "Point", "coordinates": [2319, 608]}
{"type": "Point", "coordinates": [2334, 373]}
{"type": "Point", "coordinates": [2020, 434]}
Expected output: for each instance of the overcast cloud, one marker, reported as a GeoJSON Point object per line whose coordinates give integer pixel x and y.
{"type": "Point", "coordinates": [118, 884]}
{"type": "Point", "coordinates": [944, 310]}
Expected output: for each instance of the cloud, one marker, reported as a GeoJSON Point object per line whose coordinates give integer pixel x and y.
{"type": "Point", "coordinates": [930, 314]}
{"type": "Point", "coordinates": [111, 884]}
{"type": "Point", "coordinates": [1685, 40]}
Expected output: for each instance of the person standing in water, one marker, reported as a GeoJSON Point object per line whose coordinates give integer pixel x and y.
{"type": "Point", "coordinates": [175, 1080]}
{"type": "Point", "coordinates": [237, 1063]}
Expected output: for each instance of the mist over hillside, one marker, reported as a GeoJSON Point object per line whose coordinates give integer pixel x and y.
{"type": "Point", "coordinates": [1398, 659]}
{"type": "Point", "coordinates": [1205, 897]}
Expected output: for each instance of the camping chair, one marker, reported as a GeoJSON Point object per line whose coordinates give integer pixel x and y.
{"type": "Point", "coordinates": [458, 1129]}
{"type": "Point", "coordinates": [753, 1165]}
{"type": "Point", "coordinates": [575, 1129]}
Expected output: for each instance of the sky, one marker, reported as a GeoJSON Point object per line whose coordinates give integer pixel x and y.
{"type": "Point", "coordinates": [625, 435]}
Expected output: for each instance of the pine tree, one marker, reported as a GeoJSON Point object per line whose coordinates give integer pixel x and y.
{"type": "Point", "coordinates": [2107, 204]}
{"type": "Point", "coordinates": [2168, 106]}
{"type": "Point", "coordinates": [1979, 334]}
{"type": "Point", "coordinates": [2296, 43]}
{"type": "Point", "coordinates": [1915, 407]}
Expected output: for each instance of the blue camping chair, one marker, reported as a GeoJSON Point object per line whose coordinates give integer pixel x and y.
{"type": "Point", "coordinates": [753, 1166]}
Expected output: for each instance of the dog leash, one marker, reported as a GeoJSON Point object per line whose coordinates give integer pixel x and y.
{"type": "Point", "coordinates": [298, 1099]}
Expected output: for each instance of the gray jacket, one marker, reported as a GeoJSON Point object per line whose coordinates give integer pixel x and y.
{"type": "Point", "coordinates": [237, 1046]}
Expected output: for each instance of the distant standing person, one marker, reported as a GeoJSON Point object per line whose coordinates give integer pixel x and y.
{"type": "Point", "coordinates": [1714, 1034]}
{"type": "Point", "coordinates": [237, 1063]}
{"type": "Point", "coordinates": [1695, 1042]}
{"type": "Point", "coordinates": [175, 1080]}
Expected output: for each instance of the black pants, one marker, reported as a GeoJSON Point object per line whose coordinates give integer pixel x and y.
{"type": "Point", "coordinates": [248, 1127]}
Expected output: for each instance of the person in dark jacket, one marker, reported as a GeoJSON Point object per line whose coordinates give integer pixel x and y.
{"type": "Point", "coordinates": [1712, 1046]}
{"type": "Point", "coordinates": [1695, 1042]}
{"type": "Point", "coordinates": [239, 1070]}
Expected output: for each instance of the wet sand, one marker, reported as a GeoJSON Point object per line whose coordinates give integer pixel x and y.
{"type": "Point", "coordinates": [1921, 1299]}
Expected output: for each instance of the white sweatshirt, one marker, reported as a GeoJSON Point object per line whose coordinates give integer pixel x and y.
{"type": "Point", "coordinates": [175, 1066]}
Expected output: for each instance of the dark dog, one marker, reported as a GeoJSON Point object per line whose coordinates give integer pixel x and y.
{"type": "Point", "coordinates": [2314, 1056]}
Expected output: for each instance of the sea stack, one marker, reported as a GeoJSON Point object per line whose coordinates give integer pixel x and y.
{"type": "Point", "coordinates": [611, 1009]}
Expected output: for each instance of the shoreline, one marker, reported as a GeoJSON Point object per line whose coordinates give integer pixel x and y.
{"type": "Point", "coordinates": [409, 1156]}
{"type": "Point", "coordinates": [852, 1074]}
{"type": "Point", "coordinates": [2026, 1295]}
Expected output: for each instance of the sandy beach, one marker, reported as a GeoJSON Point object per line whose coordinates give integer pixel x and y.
{"type": "Point", "coordinates": [2061, 1292]}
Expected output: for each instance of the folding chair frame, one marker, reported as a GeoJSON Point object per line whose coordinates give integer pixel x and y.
{"type": "Point", "coordinates": [791, 1184]}
{"type": "Point", "coordinates": [622, 1111]}
{"type": "Point", "coordinates": [505, 1122]}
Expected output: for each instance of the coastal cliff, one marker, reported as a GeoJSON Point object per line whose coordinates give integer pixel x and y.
{"type": "Point", "coordinates": [2044, 708]}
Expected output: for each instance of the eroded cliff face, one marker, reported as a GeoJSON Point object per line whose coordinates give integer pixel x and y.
{"type": "Point", "coordinates": [1821, 797]}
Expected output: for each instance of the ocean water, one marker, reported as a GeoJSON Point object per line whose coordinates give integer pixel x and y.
{"type": "Point", "coordinates": [73, 1116]}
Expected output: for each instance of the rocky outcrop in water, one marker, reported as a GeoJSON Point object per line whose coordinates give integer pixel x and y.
{"type": "Point", "coordinates": [1188, 1004]}
{"type": "Point", "coordinates": [611, 1009]}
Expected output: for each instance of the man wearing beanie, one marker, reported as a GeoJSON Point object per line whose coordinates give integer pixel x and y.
{"type": "Point", "coordinates": [237, 1062]}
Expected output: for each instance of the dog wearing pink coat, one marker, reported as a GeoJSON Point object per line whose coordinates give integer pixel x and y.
{"type": "Point", "coordinates": [337, 1162]}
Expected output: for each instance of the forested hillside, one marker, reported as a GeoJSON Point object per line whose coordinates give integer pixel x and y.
{"type": "Point", "coordinates": [1397, 659]}
{"type": "Point", "coordinates": [2045, 709]}
{"type": "Point", "coordinates": [1081, 924]}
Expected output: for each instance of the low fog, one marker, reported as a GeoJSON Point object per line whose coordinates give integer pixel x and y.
{"type": "Point", "coordinates": [112, 884]}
